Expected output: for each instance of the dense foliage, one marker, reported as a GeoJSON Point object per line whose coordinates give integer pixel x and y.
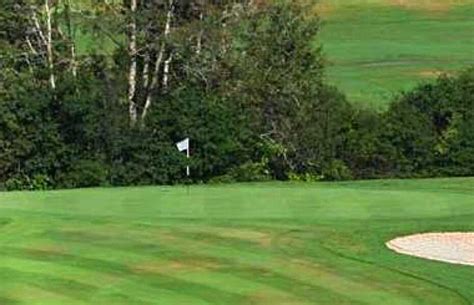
{"type": "Point", "coordinates": [242, 80]}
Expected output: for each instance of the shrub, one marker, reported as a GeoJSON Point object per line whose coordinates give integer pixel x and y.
{"type": "Point", "coordinates": [84, 173]}
{"type": "Point", "coordinates": [25, 183]}
{"type": "Point", "coordinates": [306, 177]}
{"type": "Point", "coordinates": [336, 170]}
{"type": "Point", "coordinates": [248, 172]}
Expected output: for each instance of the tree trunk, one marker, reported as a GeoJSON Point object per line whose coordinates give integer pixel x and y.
{"type": "Point", "coordinates": [166, 71]}
{"type": "Point", "coordinates": [132, 74]}
{"type": "Point", "coordinates": [159, 61]}
{"type": "Point", "coordinates": [49, 45]}
{"type": "Point", "coordinates": [200, 35]}
{"type": "Point", "coordinates": [70, 38]}
{"type": "Point", "coordinates": [146, 71]}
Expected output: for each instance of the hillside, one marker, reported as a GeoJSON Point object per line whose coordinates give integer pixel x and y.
{"type": "Point", "coordinates": [375, 48]}
{"type": "Point", "coordinates": [378, 47]}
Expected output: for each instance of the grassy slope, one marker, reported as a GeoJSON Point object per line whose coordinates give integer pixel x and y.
{"type": "Point", "coordinates": [240, 244]}
{"type": "Point", "coordinates": [377, 47]}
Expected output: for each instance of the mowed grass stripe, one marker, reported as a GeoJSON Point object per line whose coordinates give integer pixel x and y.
{"type": "Point", "coordinates": [317, 292]}
{"type": "Point", "coordinates": [184, 263]}
{"type": "Point", "coordinates": [205, 242]}
{"type": "Point", "coordinates": [195, 266]}
{"type": "Point", "coordinates": [129, 288]}
{"type": "Point", "coordinates": [64, 288]}
{"type": "Point", "coordinates": [245, 244]}
{"type": "Point", "coordinates": [55, 258]}
{"type": "Point", "coordinates": [83, 292]}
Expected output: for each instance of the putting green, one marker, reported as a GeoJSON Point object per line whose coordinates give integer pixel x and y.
{"type": "Point", "coordinates": [269, 243]}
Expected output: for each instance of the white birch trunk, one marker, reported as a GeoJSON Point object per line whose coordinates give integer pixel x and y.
{"type": "Point", "coordinates": [132, 74]}
{"type": "Point", "coordinates": [146, 71]}
{"type": "Point", "coordinates": [159, 61]}
{"type": "Point", "coordinates": [49, 45]}
{"type": "Point", "coordinates": [73, 59]}
{"type": "Point", "coordinates": [200, 35]}
{"type": "Point", "coordinates": [166, 71]}
{"type": "Point", "coordinates": [70, 38]}
{"type": "Point", "coordinates": [154, 82]}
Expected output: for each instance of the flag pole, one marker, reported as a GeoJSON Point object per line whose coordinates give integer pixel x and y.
{"type": "Point", "coordinates": [188, 170]}
{"type": "Point", "coordinates": [184, 146]}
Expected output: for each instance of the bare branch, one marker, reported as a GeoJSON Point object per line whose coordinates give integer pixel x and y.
{"type": "Point", "coordinates": [38, 29]}
{"type": "Point", "coordinates": [30, 46]}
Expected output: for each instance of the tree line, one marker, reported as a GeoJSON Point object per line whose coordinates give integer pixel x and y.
{"type": "Point", "coordinates": [243, 79]}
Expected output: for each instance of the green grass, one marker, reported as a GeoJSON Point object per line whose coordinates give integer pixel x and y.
{"type": "Point", "coordinates": [376, 48]}
{"type": "Point", "coordinates": [257, 244]}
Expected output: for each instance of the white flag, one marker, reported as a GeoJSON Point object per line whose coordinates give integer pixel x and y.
{"type": "Point", "coordinates": [183, 145]}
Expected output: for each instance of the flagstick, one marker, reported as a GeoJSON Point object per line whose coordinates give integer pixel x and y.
{"type": "Point", "coordinates": [184, 145]}
{"type": "Point", "coordinates": [188, 170]}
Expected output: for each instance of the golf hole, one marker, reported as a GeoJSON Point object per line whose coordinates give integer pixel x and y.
{"type": "Point", "coordinates": [453, 248]}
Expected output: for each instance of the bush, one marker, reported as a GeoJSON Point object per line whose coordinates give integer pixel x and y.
{"type": "Point", "coordinates": [25, 183]}
{"type": "Point", "coordinates": [142, 158]}
{"type": "Point", "coordinates": [84, 173]}
{"type": "Point", "coordinates": [248, 172]}
{"type": "Point", "coordinates": [15, 184]}
{"type": "Point", "coordinates": [306, 177]}
{"type": "Point", "coordinates": [336, 170]}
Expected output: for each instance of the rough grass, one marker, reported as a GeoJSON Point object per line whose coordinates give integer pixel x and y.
{"type": "Point", "coordinates": [238, 244]}
{"type": "Point", "coordinates": [378, 47]}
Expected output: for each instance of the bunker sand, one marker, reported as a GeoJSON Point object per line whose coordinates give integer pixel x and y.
{"type": "Point", "coordinates": [454, 248]}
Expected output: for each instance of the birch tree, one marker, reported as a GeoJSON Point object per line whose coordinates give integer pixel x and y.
{"type": "Point", "coordinates": [159, 59]}
{"type": "Point", "coordinates": [153, 28]}
{"type": "Point", "coordinates": [132, 50]}
{"type": "Point", "coordinates": [70, 37]}
{"type": "Point", "coordinates": [39, 36]}
{"type": "Point", "coordinates": [49, 44]}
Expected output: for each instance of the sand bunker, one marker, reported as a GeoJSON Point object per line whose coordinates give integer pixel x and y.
{"type": "Point", "coordinates": [454, 248]}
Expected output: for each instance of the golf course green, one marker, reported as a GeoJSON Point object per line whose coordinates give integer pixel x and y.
{"type": "Point", "coordinates": [271, 243]}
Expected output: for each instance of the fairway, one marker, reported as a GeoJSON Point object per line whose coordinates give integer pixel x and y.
{"type": "Point", "coordinates": [376, 48]}
{"type": "Point", "coordinates": [275, 243]}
